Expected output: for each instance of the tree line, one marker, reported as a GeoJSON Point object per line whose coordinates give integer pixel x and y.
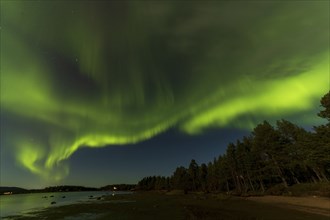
{"type": "Point", "coordinates": [284, 154]}
{"type": "Point", "coordinates": [118, 187]}
{"type": "Point", "coordinates": [65, 188]}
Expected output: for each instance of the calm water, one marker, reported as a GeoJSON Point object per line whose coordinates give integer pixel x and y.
{"type": "Point", "coordinates": [21, 204]}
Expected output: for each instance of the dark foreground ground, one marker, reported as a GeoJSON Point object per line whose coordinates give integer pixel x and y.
{"type": "Point", "coordinates": [159, 206]}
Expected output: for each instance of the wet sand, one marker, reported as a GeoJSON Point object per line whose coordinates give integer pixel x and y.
{"type": "Point", "coordinates": [161, 206]}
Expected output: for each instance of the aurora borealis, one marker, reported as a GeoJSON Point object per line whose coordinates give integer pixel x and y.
{"type": "Point", "coordinates": [96, 74]}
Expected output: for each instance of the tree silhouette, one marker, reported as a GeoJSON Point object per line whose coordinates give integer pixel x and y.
{"type": "Point", "coordinates": [271, 156]}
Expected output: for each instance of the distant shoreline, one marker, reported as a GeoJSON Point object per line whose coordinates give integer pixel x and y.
{"type": "Point", "coordinates": [66, 188]}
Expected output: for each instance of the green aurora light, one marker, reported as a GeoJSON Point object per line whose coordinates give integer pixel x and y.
{"type": "Point", "coordinates": [93, 74]}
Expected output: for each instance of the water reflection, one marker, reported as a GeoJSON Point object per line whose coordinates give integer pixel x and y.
{"type": "Point", "coordinates": [24, 203]}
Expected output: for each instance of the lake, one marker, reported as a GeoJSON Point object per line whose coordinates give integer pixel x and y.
{"type": "Point", "coordinates": [22, 204]}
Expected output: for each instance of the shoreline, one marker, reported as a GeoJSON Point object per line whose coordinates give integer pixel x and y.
{"type": "Point", "coordinates": [160, 205]}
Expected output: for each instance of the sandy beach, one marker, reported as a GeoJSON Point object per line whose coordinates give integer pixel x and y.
{"type": "Point", "coordinates": [311, 204]}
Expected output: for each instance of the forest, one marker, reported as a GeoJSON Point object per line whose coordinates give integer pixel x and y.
{"type": "Point", "coordinates": [270, 159]}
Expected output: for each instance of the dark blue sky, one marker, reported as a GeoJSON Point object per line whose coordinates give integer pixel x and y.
{"type": "Point", "coordinates": [101, 92]}
{"type": "Point", "coordinates": [157, 156]}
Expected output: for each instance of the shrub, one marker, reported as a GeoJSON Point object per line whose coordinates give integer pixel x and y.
{"type": "Point", "coordinates": [310, 189]}
{"type": "Point", "coordinates": [277, 190]}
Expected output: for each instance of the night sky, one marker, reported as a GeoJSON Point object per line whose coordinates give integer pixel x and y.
{"type": "Point", "coordinates": [103, 92]}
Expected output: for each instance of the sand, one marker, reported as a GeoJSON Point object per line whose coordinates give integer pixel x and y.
{"type": "Point", "coordinates": [311, 204]}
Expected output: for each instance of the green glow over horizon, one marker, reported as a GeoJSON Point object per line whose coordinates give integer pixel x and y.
{"type": "Point", "coordinates": [86, 78]}
{"type": "Point", "coordinates": [269, 98]}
